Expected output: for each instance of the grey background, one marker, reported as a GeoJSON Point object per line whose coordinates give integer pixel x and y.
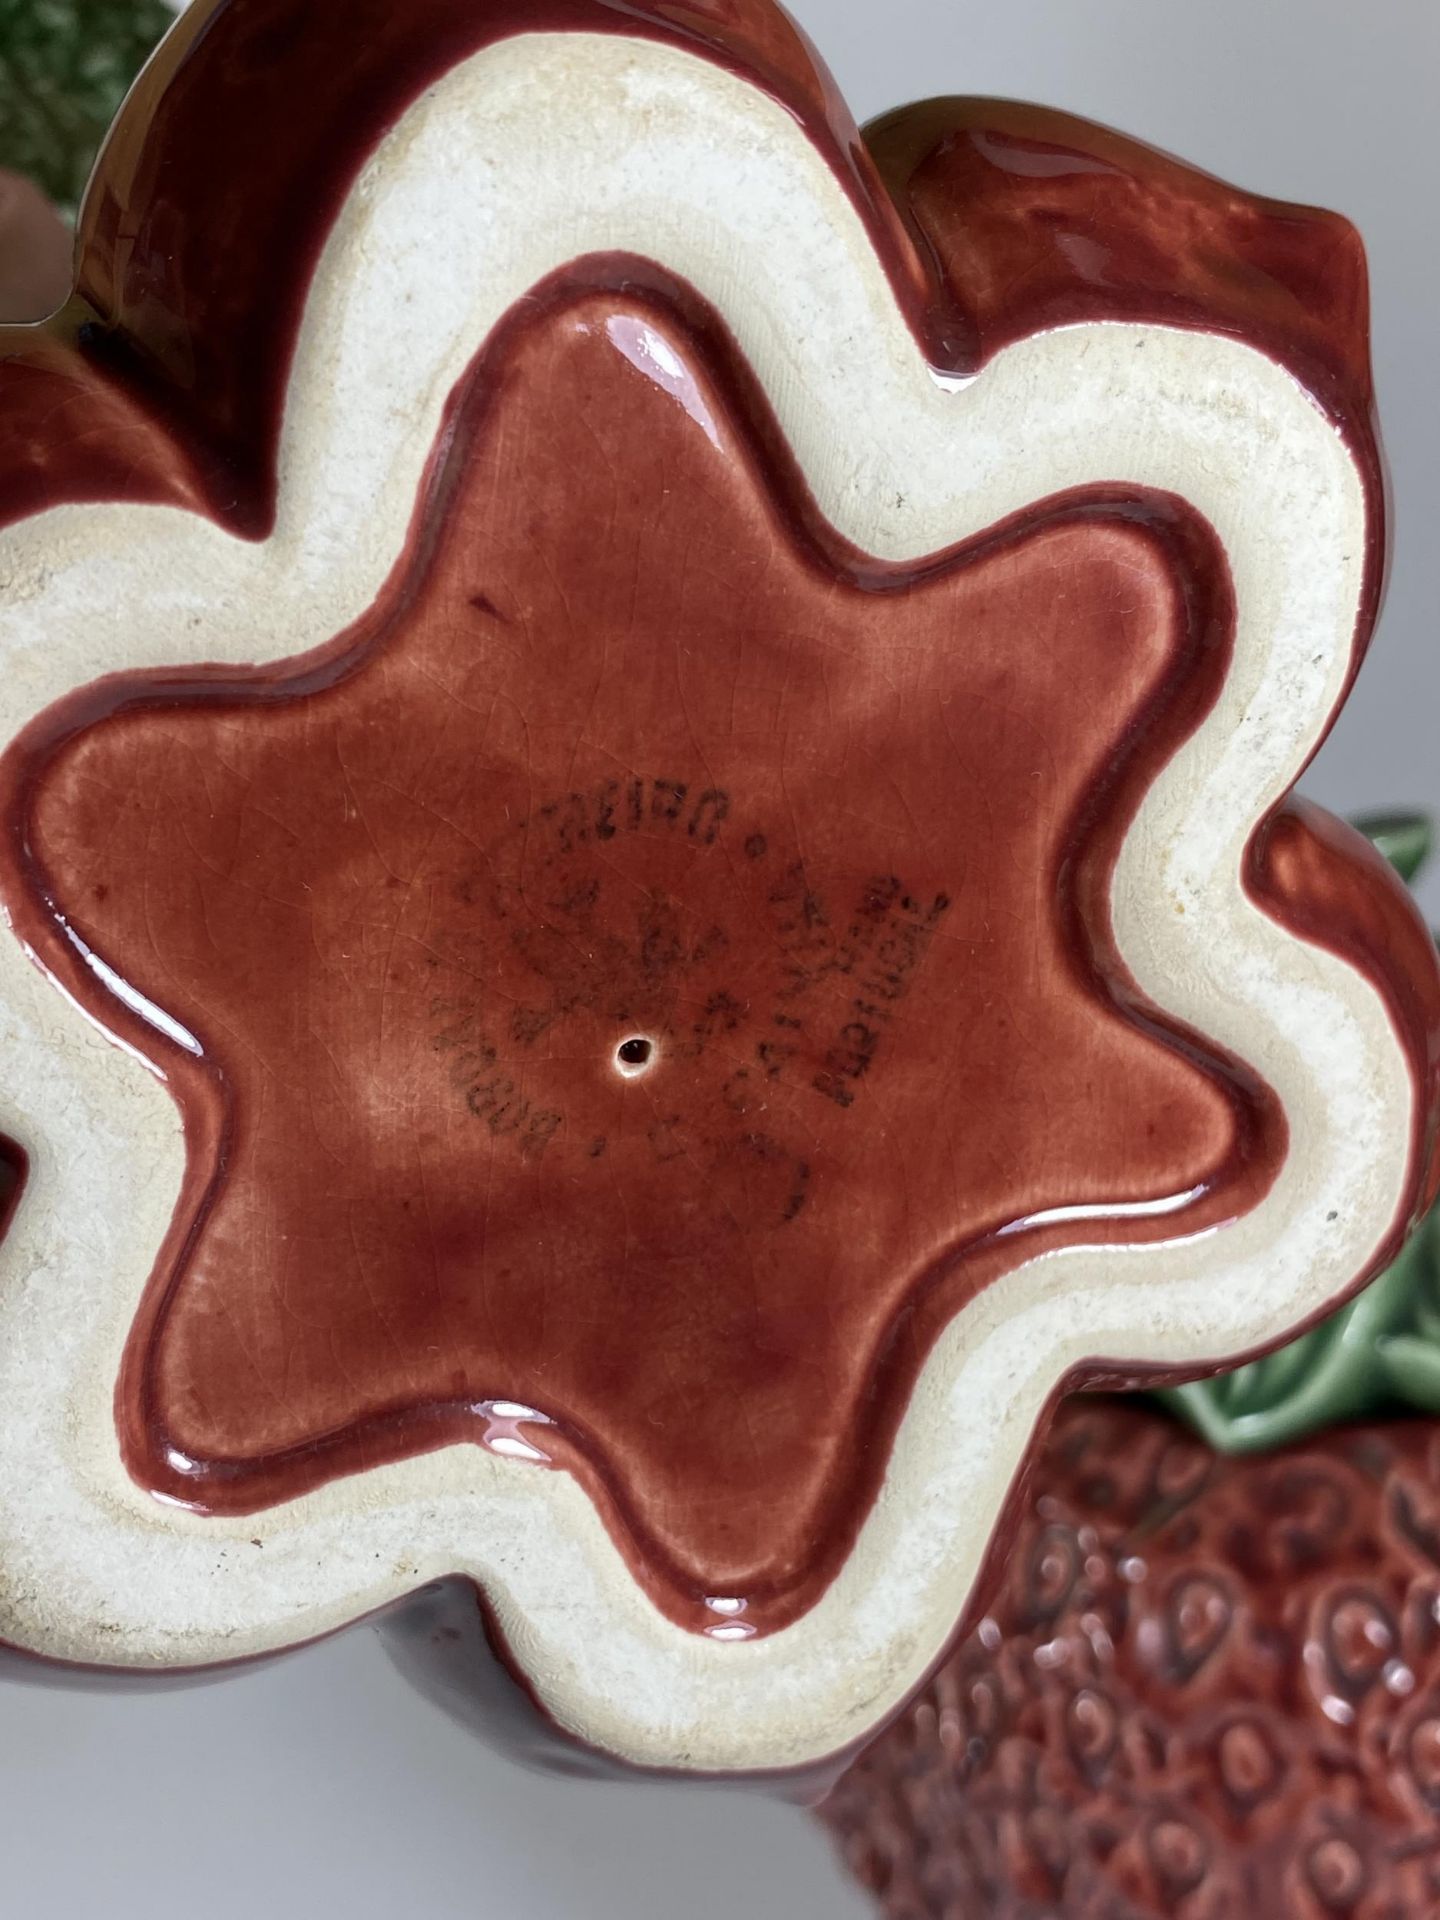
{"type": "Point", "coordinates": [323, 1784]}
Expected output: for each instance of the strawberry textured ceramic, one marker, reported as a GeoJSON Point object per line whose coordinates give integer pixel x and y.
{"type": "Point", "coordinates": [1207, 1687]}
{"type": "Point", "coordinates": [1203, 1686]}
{"type": "Point", "coordinates": [647, 853]}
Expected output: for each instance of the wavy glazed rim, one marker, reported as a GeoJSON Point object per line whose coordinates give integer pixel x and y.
{"type": "Point", "coordinates": [652, 146]}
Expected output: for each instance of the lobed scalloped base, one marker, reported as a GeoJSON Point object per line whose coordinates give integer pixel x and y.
{"type": "Point", "coordinates": [1004, 559]}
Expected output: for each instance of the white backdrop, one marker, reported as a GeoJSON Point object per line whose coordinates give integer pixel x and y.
{"type": "Point", "coordinates": [323, 1784]}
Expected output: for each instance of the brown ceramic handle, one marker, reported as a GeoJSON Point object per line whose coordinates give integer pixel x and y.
{"type": "Point", "coordinates": [35, 248]}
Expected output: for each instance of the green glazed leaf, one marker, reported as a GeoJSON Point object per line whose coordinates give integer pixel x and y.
{"type": "Point", "coordinates": [1405, 839]}
{"type": "Point", "coordinates": [1413, 1367]}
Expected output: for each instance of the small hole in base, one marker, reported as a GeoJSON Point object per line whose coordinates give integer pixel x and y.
{"type": "Point", "coordinates": [632, 1056]}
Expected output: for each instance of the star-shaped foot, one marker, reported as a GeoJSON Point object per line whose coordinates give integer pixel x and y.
{"type": "Point", "coordinates": [664, 794]}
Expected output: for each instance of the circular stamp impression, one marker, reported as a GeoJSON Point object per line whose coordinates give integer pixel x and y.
{"type": "Point", "coordinates": [647, 933]}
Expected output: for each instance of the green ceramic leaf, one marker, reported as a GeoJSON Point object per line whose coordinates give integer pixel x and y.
{"type": "Point", "coordinates": [1412, 1365]}
{"type": "Point", "coordinates": [1381, 1349]}
{"type": "Point", "coordinates": [65, 66]}
{"type": "Point", "coordinates": [1405, 839]}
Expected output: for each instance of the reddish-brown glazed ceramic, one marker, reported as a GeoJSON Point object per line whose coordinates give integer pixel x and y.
{"type": "Point", "coordinates": [1030, 218]}
{"type": "Point", "coordinates": [992, 219]}
{"type": "Point", "coordinates": [1330, 885]}
{"type": "Point", "coordinates": [736, 795]}
{"type": "Point", "coordinates": [1205, 1688]}
{"type": "Point", "coordinates": [716, 804]}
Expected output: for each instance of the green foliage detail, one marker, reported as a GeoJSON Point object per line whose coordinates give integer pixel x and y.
{"type": "Point", "coordinates": [1380, 1351]}
{"type": "Point", "coordinates": [65, 66]}
{"type": "Point", "coordinates": [1405, 839]}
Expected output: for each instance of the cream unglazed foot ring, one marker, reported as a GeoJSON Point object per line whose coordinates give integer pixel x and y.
{"type": "Point", "coordinates": [649, 870]}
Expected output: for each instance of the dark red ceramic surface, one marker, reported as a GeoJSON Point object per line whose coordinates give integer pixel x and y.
{"type": "Point", "coordinates": [657, 768]}
{"type": "Point", "coordinates": [632, 746]}
{"type": "Point", "coordinates": [1206, 1689]}
{"type": "Point", "coordinates": [992, 219]}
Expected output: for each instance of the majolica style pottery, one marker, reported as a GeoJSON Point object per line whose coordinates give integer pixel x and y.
{"type": "Point", "coordinates": [1203, 1686]}
{"type": "Point", "coordinates": [648, 855]}
{"type": "Point", "coordinates": [1206, 1688]}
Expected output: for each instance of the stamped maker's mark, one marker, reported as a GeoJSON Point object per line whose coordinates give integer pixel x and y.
{"type": "Point", "coordinates": [665, 977]}
{"type": "Point", "coordinates": [490, 1092]}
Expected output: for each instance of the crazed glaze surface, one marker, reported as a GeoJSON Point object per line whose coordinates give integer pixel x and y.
{"type": "Point", "coordinates": [737, 794]}
{"type": "Point", "coordinates": [634, 745]}
{"type": "Point", "coordinates": [992, 220]}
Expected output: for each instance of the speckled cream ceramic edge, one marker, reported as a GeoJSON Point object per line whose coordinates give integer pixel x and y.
{"type": "Point", "coordinates": [543, 148]}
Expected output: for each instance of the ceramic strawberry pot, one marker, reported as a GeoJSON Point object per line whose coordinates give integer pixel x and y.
{"type": "Point", "coordinates": [1205, 1685]}
{"type": "Point", "coordinates": [650, 880]}
{"type": "Point", "coordinates": [1202, 1682]}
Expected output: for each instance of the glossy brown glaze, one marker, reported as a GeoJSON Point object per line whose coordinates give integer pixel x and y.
{"type": "Point", "coordinates": [1206, 1688]}
{"type": "Point", "coordinates": [665, 769]}
{"type": "Point", "coordinates": [161, 381]}
{"type": "Point", "coordinates": [166, 325]}
{"type": "Point", "coordinates": [1326, 882]}
{"type": "Point", "coordinates": [993, 220]}
{"type": "Point", "coordinates": [1031, 218]}
{"type": "Point", "coordinates": [693, 778]}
